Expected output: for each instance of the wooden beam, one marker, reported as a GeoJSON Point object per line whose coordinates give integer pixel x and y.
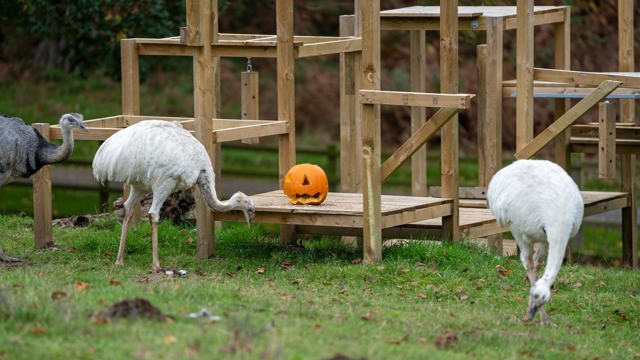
{"type": "Point", "coordinates": [449, 150]}
{"type": "Point", "coordinates": [404, 98]}
{"type": "Point", "coordinates": [418, 83]}
{"type": "Point", "coordinates": [42, 207]}
{"type": "Point", "coordinates": [371, 132]}
{"type": "Point", "coordinates": [585, 78]}
{"type": "Point", "coordinates": [607, 141]}
{"type": "Point", "coordinates": [566, 119]}
{"type": "Point", "coordinates": [415, 142]}
{"type": "Point", "coordinates": [524, 74]}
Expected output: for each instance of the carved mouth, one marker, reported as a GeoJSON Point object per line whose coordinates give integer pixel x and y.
{"type": "Point", "coordinates": [307, 196]}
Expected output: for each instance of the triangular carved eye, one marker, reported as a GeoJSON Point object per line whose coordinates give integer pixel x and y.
{"type": "Point", "coordinates": [305, 181]}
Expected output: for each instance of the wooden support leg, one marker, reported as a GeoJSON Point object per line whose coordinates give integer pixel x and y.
{"type": "Point", "coordinates": [630, 213]}
{"type": "Point", "coordinates": [350, 130]}
{"type": "Point", "coordinates": [42, 214]}
{"type": "Point", "coordinates": [449, 133]}
{"type": "Point", "coordinates": [286, 99]}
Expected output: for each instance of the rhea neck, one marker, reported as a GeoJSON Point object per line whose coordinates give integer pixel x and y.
{"type": "Point", "coordinates": [53, 154]}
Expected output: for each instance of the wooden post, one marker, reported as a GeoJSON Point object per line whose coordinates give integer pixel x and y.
{"type": "Point", "coordinates": [627, 114]}
{"type": "Point", "coordinates": [250, 100]}
{"type": "Point", "coordinates": [42, 214]}
{"type": "Point", "coordinates": [524, 74]}
{"type": "Point", "coordinates": [418, 114]}
{"type": "Point", "coordinates": [204, 111]}
{"type": "Point", "coordinates": [130, 70]}
{"type": "Point", "coordinates": [370, 80]}
{"type": "Point", "coordinates": [286, 98]}
{"type": "Point", "coordinates": [449, 133]}
{"type": "Point", "coordinates": [489, 135]}
{"type": "Point", "coordinates": [562, 60]}
{"type": "Point", "coordinates": [606, 141]}
{"type": "Point", "coordinates": [490, 108]}
{"type": "Point", "coordinates": [350, 130]}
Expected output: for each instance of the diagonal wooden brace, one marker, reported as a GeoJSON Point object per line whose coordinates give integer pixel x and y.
{"type": "Point", "coordinates": [426, 131]}
{"type": "Point", "coordinates": [568, 118]}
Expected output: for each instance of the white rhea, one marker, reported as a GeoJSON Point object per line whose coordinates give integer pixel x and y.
{"type": "Point", "coordinates": [161, 157]}
{"type": "Point", "coordinates": [541, 204]}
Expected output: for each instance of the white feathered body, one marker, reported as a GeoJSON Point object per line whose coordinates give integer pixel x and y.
{"type": "Point", "coordinates": [150, 152]}
{"type": "Point", "coordinates": [535, 197]}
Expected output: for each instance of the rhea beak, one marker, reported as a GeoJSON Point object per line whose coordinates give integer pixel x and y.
{"type": "Point", "coordinates": [83, 128]}
{"type": "Point", "coordinates": [531, 312]}
{"type": "Point", "coordinates": [249, 218]}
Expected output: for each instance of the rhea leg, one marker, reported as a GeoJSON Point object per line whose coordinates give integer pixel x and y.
{"type": "Point", "coordinates": [8, 259]}
{"type": "Point", "coordinates": [160, 194]}
{"type": "Point", "coordinates": [538, 259]}
{"type": "Point", "coordinates": [134, 197]}
{"type": "Point", "coordinates": [527, 258]}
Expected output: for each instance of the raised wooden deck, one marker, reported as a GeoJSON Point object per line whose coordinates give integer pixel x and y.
{"type": "Point", "coordinates": [342, 211]}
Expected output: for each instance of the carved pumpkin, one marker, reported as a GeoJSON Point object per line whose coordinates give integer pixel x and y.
{"type": "Point", "coordinates": [306, 184]}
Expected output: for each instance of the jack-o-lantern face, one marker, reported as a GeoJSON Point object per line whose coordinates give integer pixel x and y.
{"type": "Point", "coordinates": [306, 184]}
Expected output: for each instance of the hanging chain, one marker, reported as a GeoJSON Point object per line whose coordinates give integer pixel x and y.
{"type": "Point", "coordinates": [249, 67]}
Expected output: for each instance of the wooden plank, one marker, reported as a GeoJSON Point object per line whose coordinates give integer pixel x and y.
{"type": "Point", "coordinates": [566, 120]}
{"type": "Point", "coordinates": [286, 97]}
{"type": "Point", "coordinates": [464, 192]}
{"type": "Point", "coordinates": [350, 130]}
{"type": "Point", "coordinates": [330, 47]}
{"type": "Point", "coordinates": [93, 134]}
{"type": "Point", "coordinates": [416, 215]}
{"type": "Point", "coordinates": [524, 74]}
{"type": "Point", "coordinates": [626, 53]}
{"type": "Point", "coordinates": [204, 109]}
{"type": "Point", "coordinates": [449, 148]}
{"type": "Point", "coordinates": [371, 152]}
{"type": "Point", "coordinates": [409, 147]}
{"type": "Point", "coordinates": [607, 141]}
{"type": "Point", "coordinates": [584, 78]}
{"type": "Point", "coordinates": [250, 100]}
{"type": "Point", "coordinates": [418, 83]}
{"type": "Point", "coordinates": [592, 130]}
{"type": "Point", "coordinates": [42, 212]}
{"type": "Point", "coordinates": [252, 131]}
{"type": "Point", "coordinates": [405, 98]}
{"type": "Point", "coordinates": [557, 16]}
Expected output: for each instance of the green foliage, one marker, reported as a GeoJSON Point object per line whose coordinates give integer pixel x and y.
{"type": "Point", "coordinates": [88, 32]}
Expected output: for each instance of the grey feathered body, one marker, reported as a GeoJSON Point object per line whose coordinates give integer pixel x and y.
{"type": "Point", "coordinates": [22, 149]}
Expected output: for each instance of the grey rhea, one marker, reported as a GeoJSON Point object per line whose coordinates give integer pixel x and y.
{"type": "Point", "coordinates": [24, 151]}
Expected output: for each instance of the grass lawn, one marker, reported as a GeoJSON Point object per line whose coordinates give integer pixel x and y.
{"type": "Point", "coordinates": [312, 302]}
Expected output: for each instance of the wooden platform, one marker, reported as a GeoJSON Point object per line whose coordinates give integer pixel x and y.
{"type": "Point", "coordinates": [341, 214]}
{"type": "Point", "coordinates": [223, 129]}
{"type": "Point", "coordinates": [342, 211]}
{"type": "Point", "coordinates": [252, 45]}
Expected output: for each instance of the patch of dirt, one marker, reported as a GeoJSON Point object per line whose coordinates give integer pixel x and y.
{"type": "Point", "coordinates": [130, 309]}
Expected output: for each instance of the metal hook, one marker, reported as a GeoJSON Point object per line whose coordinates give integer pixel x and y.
{"type": "Point", "coordinates": [249, 67]}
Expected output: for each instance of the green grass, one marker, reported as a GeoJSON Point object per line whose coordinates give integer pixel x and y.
{"type": "Point", "coordinates": [319, 306]}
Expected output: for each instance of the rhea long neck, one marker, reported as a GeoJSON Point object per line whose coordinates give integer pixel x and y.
{"type": "Point", "coordinates": [54, 154]}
